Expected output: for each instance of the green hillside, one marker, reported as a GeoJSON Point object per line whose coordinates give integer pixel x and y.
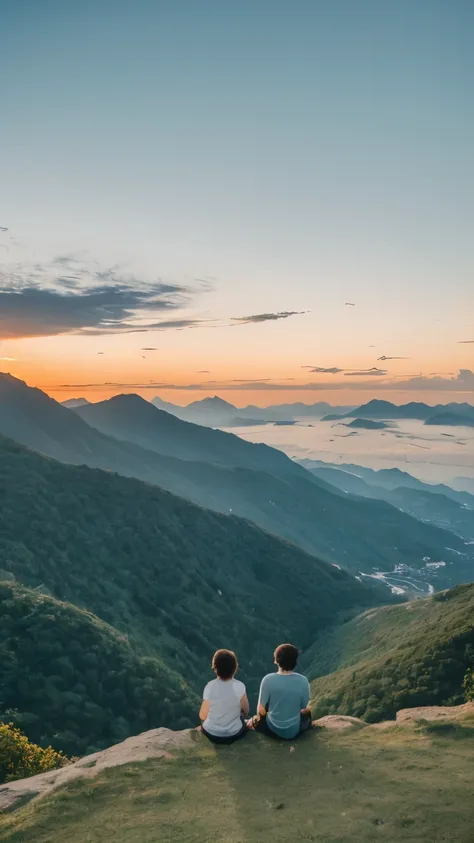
{"type": "Point", "coordinates": [395, 657]}
{"type": "Point", "coordinates": [224, 473]}
{"type": "Point", "coordinates": [400, 785]}
{"type": "Point", "coordinates": [178, 580]}
{"type": "Point", "coordinates": [77, 683]}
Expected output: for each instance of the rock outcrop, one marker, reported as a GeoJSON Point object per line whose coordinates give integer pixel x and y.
{"type": "Point", "coordinates": [157, 743]}
{"type": "Point", "coordinates": [436, 712]}
{"type": "Point", "coordinates": [338, 722]}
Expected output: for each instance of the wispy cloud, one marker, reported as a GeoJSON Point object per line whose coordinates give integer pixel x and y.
{"type": "Point", "coordinates": [332, 370]}
{"type": "Point", "coordinates": [465, 342]}
{"type": "Point", "coordinates": [179, 324]}
{"type": "Point", "coordinates": [71, 297]}
{"type": "Point", "coordinates": [374, 372]}
{"type": "Point", "coordinates": [463, 382]}
{"type": "Point", "coordinates": [392, 358]}
{"type": "Point", "coordinates": [256, 318]}
{"type": "Point", "coordinates": [150, 348]}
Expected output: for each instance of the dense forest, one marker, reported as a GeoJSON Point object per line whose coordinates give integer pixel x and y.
{"type": "Point", "coordinates": [421, 653]}
{"type": "Point", "coordinates": [174, 580]}
{"type": "Point", "coordinates": [70, 680]}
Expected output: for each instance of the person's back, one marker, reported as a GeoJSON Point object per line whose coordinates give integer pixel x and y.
{"type": "Point", "coordinates": [284, 696]}
{"type": "Point", "coordinates": [224, 701]}
{"type": "Point", "coordinates": [223, 719]}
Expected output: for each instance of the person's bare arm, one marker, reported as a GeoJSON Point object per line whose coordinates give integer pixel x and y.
{"type": "Point", "coordinates": [204, 710]}
{"type": "Point", "coordinates": [244, 705]}
{"type": "Point", "coordinates": [305, 702]}
{"type": "Point", "coordinates": [263, 698]}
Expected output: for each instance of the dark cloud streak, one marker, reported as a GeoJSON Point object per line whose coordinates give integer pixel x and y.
{"type": "Point", "coordinates": [322, 370]}
{"type": "Point", "coordinates": [37, 301]}
{"type": "Point", "coordinates": [257, 318]}
{"type": "Point", "coordinates": [371, 372]}
{"type": "Point", "coordinates": [463, 382]}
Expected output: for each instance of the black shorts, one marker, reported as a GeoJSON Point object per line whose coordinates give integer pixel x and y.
{"type": "Point", "coordinates": [227, 740]}
{"type": "Point", "coordinates": [260, 724]}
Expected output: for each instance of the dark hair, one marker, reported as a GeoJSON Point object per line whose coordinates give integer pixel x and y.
{"type": "Point", "coordinates": [286, 656]}
{"type": "Point", "coordinates": [224, 663]}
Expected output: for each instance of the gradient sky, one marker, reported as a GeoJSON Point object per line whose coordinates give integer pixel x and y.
{"type": "Point", "coordinates": [268, 157]}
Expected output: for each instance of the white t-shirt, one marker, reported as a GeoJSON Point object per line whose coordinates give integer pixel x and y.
{"type": "Point", "coordinates": [224, 696]}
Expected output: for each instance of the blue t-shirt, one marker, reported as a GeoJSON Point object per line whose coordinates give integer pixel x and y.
{"type": "Point", "coordinates": [284, 695]}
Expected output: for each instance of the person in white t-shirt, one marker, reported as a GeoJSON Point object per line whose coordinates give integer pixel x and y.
{"type": "Point", "coordinates": [225, 704]}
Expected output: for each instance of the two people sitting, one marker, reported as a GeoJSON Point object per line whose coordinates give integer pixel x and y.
{"type": "Point", "coordinates": [282, 703]}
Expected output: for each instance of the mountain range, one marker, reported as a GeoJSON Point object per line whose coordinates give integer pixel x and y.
{"type": "Point", "coordinates": [171, 581]}
{"type": "Point", "coordinates": [114, 592]}
{"type": "Point", "coordinates": [436, 504]}
{"type": "Point", "coordinates": [215, 412]}
{"type": "Point", "coordinates": [227, 474]}
{"type": "Point", "coordinates": [457, 414]}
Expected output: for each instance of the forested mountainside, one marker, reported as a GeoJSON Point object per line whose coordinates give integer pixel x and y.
{"type": "Point", "coordinates": [71, 680]}
{"type": "Point", "coordinates": [277, 494]}
{"type": "Point", "coordinates": [179, 581]}
{"type": "Point", "coordinates": [395, 657]}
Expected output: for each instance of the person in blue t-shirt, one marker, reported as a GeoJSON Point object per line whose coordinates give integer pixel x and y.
{"type": "Point", "coordinates": [283, 710]}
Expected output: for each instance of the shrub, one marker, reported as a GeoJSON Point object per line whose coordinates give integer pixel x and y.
{"type": "Point", "coordinates": [19, 758]}
{"type": "Point", "coordinates": [468, 686]}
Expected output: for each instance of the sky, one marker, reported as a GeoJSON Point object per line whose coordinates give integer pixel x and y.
{"type": "Point", "coordinates": [209, 197]}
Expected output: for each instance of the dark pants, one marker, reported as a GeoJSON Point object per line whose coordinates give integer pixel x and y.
{"type": "Point", "coordinates": [260, 724]}
{"type": "Point", "coordinates": [221, 740]}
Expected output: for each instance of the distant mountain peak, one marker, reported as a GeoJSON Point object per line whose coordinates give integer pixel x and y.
{"type": "Point", "coordinates": [215, 402]}
{"type": "Point", "coordinates": [127, 398]}
{"type": "Point", "coordinates": [72, 403]}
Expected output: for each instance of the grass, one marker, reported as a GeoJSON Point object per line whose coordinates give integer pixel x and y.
{"type": "Point", "coordinates": [401, 656]}
{"type": "Point", "coordinates": [377, 632]}
{"type": "Point", "coordinates": [393, 784]}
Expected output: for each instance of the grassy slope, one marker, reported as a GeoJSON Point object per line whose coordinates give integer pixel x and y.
{"type": "Point", "coordinates": [395, 654]}
{"type": "Point", "coordinates": [402, 785]}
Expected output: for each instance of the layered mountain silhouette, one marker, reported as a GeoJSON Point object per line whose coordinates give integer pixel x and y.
{"type": "Point", "coordinates": [215, 412]}
{"type": "Point", "coordinates": [462, 413]}
{"type": "Point", "coordinates": [435, 504]}
{"type": "Point", "coordinates": [452, 419]}
{"type": "Point", "coordinates": [390, 478]}
{"type": "Point", "coordinates": [71, 403]}
{"type": "Point", "coordinates": [229, 475]}
{"type": "Point", "coordinates": [131, 418]}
